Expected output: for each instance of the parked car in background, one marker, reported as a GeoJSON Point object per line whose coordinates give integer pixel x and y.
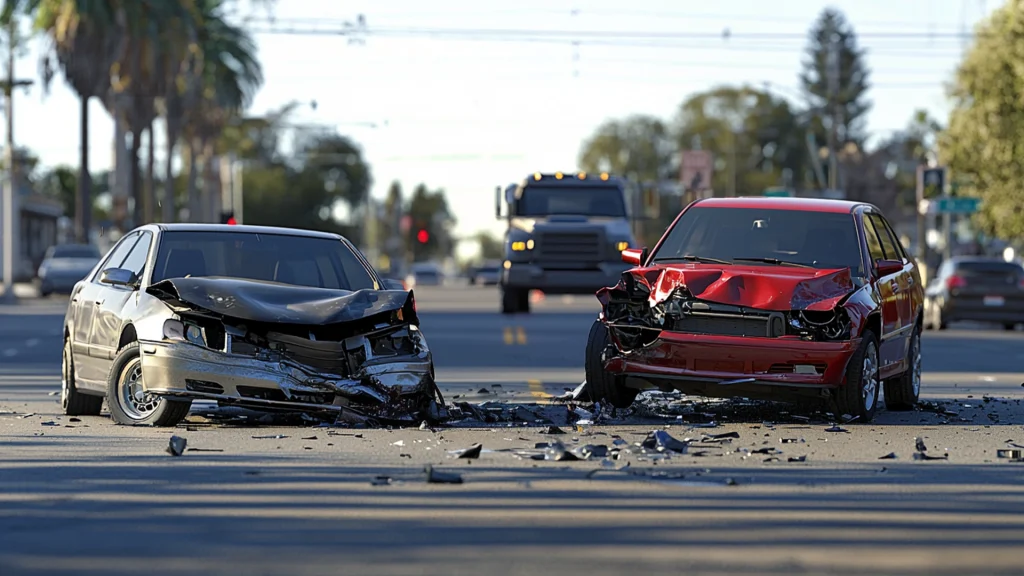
{"type": "Point", "coordinates": [983, 289]}
{"type": "Point", "coordinates": [424, 274]}
{"type": "Point", "coordinates": [64, 265]}
{"type": "Point", "coordinates": [487, 274]}
{"type": "Point", "coordinates": [774, 298]}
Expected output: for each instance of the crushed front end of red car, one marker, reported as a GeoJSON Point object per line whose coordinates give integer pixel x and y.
{"type": "Point", "coordinates": [734, 330]}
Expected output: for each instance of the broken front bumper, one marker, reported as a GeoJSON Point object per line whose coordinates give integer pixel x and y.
{"type": "Point", "coordinates": [733, 366]}
{"type": "Point", "coordinates": [387, 389]}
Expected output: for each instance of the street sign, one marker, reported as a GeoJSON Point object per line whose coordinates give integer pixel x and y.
{"type": "Point", "coordinates": [931, 182]}
{"type": "Point", "coordinates": [696, 170]}
{"type": "Point", "coordinates": [778, 192]}
{"type": "Point", "coordinates": [951, 205]}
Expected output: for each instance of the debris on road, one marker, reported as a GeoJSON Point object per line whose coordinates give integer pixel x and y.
{"type": "Point", "coordinates": [889, 456]}
{"type": "Point", "coordinates": [922, 450]}
{"type": "Point", "coordinates": [1013, 454]}
{"type": "Point", "coordinates": [435, 477]}
{"type": "Point", "coordinates": [381, 481]}
{"type": "Point", "coordinates": [661, 441]}
{"type": "Point", "coordinates": [270, 437]}
{"type": "Point", "coordinates": [176, 446]}
{"type": "Point", "coordinates": [473, 452]}
{"type": "Point", "coordinates": [837, 428]}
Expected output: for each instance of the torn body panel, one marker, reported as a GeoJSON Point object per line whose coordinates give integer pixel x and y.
{"type": "Point", "coordinates": [741, 330]}
{"type": "Point", "coordinates": [360, 355]}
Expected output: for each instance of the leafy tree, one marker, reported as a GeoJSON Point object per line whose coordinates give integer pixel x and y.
{"type": "Point", "coordinates": [750, 133]}
{"type": "Point", "coordinates": [982, 145]}
{"type": "Point", "coordinates": [638, 146]}
{"type": "Point", "coordinates": [853, 82]}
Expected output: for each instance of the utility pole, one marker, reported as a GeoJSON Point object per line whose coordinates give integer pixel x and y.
{"type": "Point", "coordinates": [732, 162]}
{"type": "Point", "coordinates": [833, 98]}
{"type": "Point", "coordinates": [12, 211]}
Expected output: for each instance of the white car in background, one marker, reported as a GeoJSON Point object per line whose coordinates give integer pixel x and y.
{"type": "Point", "coordinates": [424, 274]}
{"type": "Point", "coordinates": [488, 274]}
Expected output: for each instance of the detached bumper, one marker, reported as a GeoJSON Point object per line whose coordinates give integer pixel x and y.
{"type": "Point", "coordinates": [731, 366]}
{"type": "Point", "coordinates": [531, 276]}
{"type": "Point", "coordinates": [381, 389]}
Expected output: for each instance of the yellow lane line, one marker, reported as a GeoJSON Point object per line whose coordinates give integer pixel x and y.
{"type": "Point", "coordinates": [508, 336]}
{"type": "Point", "coordinates": [537, 389]}
{"type": "Point", "coordinates": [520, 336]}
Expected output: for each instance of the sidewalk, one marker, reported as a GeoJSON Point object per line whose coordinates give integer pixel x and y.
{"type": "Point", "coordinates": [25, 291]}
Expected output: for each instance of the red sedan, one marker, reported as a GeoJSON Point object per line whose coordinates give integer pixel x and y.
{"type": "Point", "coordinates": [771, 298]}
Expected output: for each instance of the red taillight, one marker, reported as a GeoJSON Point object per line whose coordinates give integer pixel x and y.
{"type": "Point", "coordinates": [955, 282]}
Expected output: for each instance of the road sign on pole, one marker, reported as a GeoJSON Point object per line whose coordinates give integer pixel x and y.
{"type": "Point", "coordinates": [696, 170]}
{"type": "Point", "coordinates": [953, 205]}
{"type": "Point", "coordinates": [778, 192]}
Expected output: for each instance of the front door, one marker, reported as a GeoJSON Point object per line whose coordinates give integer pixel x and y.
{"type": "Point", "coordinates": [889, 292]}
{"type": "Point", "coordinates": [110, 312]}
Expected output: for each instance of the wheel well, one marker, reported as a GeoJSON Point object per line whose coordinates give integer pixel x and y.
{"type": "Point", "coordinates": [127, 336]}
{"type": "Point", "coordinates": [874, 323]}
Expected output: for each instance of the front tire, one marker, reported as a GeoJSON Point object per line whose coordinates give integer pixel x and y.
{"type": "Point", "coordinates": [515, 301]}
{"type": "Point", "coordinates": [1009, 326]}
{"type": "Point", "coordinates": [902, 392]}
{"type": "Point", "coordinates": [604, 386]}
{"type": "Point", "coordinates": [73, 402]}
{"type": "Point", "coordinates": [858, 396]}
{"type": "Point", "coordinates": [129, 404]}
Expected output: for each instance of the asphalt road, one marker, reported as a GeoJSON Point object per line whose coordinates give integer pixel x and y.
{"type": "Point", "coordinates": [89, 497]}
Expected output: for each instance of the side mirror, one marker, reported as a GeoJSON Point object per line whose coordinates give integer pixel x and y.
{"type": "Point", "coordinates": [392, 284]}
{"type": "Point", "coordinates": [887, 267]}
{"type": "Point", "coordinates": [497, 202]}
{"type": "Point", "coordinates": [634, 256]}
{"type": "Point", "coordinates": [119, 277]}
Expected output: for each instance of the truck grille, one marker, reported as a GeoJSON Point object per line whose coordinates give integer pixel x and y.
{"type": "Point", "coordinates": [569, 246]}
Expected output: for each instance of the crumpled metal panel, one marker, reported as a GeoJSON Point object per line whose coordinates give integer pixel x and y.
{"type": "Point", "coordinates": [775, 289]}
{"type": "Point", "coordinates": [257, 301]}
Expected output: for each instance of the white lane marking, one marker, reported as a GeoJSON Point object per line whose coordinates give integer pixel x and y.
{"type": "Point", "coordinates": [10, 352]}
{"type": "Point", "coordinates": [32, 342]}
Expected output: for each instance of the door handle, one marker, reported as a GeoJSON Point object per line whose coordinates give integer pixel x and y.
{"type": "Point", "coordinates": [97, 302]}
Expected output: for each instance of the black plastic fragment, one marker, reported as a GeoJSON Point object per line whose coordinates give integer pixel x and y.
{"type": "Point", "coordinates": [889, 456]}
{"type": "Point", "coordinates": [553, 430]}
{"type": "Point", "coordinates": [722, 436]}
{"type": "Point", "coordinates": [557, 452]}
{"type": "Point", "coordinates": [798, 458]}
{"type": "Point", "coordinates": [472, 452]}
{"type": "Point", "coordinates": [923, 456]}
{"type": "Point", "coordinates": [919, 444]}
{"type": "Point", "coordinates": [836, 428]}
{"type": "Point", "coordinates": [380, 481]}
{"type": "Point", "coordinates": [593, 451]}
{"type": "Point", "coordinates": [176, 446]}
{"type": "Point", "coordinates": [661, 441]}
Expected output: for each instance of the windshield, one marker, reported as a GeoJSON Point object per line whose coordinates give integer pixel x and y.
{"type": "Point", "coordinates": [540, 200]}
{"type": "Point", "coordinates": [801, 237]}
{"type": "Point", "coordinates": [296, 260]}
{"type": "Point", "coordinates": [75, 251]}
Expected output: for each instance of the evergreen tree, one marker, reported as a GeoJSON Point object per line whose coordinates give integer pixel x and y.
{"type": "Point", "coordinates": [852, 86]}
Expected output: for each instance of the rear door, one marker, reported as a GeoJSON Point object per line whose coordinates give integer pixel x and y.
{"type": "Point", "coordinates": [889, 350]}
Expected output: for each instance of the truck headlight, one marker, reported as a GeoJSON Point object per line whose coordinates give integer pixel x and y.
{"type": "Point", "coordinates": [622, 246]}
{"type": "Point", "coordinates": [520, 245]}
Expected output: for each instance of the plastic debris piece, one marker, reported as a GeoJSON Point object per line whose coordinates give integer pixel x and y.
{"type": "Point", "coordinates": [889, 456]}
{"type": "Point", "coordinates": [398, 443]}
{"type": "Point", "coordinates": [661, 441]}
{"type": "Point", "coordinates": [1015, 454]}
{"type": "Point", "coordinates": [271, 437]}
{"type": "Point", "coordinates": [483, 391]}
{"type": "Point", "coordinates": [557, 452]}
{"type": "Point", "coordinates": [176, 446]}
{"type": "Point", "coordinates": [436, 477]}
{"type": "Point", "coordinates": [836, 428]}
{"type": "Point", "coordinates": [205, 450]}
{"type": "Point", "coordinates": [798, 458]}
{"type": "Point", "coordinates": [592, 451]}
{"type": "Point", "coordinates": [923, 456]}
{"type": "Point", "coordinates": [722, 436]}
{"type": "Point", "coordinates": [310, 438]}
{"type": "Point", "coordinates": [553, 430]}
{"type": "Point", "coordinates": [919, 444]}
{"type": "Point", "coordinates": [380, 481]}
{"type": "Point", "coordinates": [765, 450]}
{"type": "Point", "coordinates": [730, 482]}
{"type": "Point", "coordinates": [472, 452]}
{"type": "Point", "coordinates": [788, 440]}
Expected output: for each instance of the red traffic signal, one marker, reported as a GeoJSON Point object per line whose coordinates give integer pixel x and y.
{"type": "Point", "coordinates": [228, 218]}
{"type": "Point", "coordinates": [422, 236]}
{"type": "Point", "coordinates": [232, 221]}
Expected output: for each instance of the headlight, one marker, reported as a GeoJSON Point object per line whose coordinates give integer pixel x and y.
{"type": "Point", "coordinates": [177, 330]}
{"type": "Point", "coordinates": [518, 246]}
{"type": "Point", "coordinates": [621, 246]}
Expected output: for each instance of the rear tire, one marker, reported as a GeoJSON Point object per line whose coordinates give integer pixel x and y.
{"type": "Point", "coordinates": [131, 407]}
{"type": "Point", "coordinates": [604, 386]}
{"type": "Point", "coordinates": [73, 402]}
{"type": "Point", "coordinates": [902, 392]}
{"type": "Point", "coordinates": [858, 396]}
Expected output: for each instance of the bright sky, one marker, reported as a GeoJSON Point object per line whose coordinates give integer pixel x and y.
{"type": "Point", "coordinates": [467, 114]}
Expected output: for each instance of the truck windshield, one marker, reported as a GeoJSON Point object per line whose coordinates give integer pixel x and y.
{"type": "Point", "coordinates": [539, 200]}
{"type": "Point", "coordinates": [760, 237]}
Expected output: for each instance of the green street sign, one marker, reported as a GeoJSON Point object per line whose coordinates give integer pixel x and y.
{"type": "Point", "coordinates": [950, 205]}
{"type": "Point", "coordinates": [778, 192]}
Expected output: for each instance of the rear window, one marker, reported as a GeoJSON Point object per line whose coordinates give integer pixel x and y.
{"type": "Point", "coordinates": [994, 268]}
{"type": "Point", "coordinates": [296, 260]}
{"type": "Point", "coordinates": [75, 252]}
{"type": "Point", "coordinates": [818, 239]}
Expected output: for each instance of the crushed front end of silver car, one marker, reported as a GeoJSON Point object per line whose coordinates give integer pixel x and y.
{"type": "Point", "coordinates": [357, 356]}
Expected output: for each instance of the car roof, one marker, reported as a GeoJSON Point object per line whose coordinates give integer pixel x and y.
{"type": "Point", "coordinates": [244, 229]}
{"type": "Point", "coordinates": [782, 203]}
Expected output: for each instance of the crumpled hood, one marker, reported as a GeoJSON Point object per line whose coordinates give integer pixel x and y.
{"type": "Point", "coordinates": [257, 301]}
{"type": "Point", "coordinates": [773, 288]}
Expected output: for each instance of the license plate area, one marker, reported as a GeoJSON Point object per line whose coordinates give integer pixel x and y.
{"type": "Point", "coordinates": [994, 301]}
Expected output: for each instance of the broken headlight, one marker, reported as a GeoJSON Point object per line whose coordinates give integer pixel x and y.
{"type": "Point", "coordinates": [820, 325]}
{"type": "Point", "coordinates": [184, 332]}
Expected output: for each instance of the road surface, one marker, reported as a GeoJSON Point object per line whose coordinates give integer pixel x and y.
{"type": "Point", "coordinates": [88, 497]}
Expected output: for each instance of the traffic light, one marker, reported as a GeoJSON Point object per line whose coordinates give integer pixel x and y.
{"type": "Point", "coordinates": [422, 236]}
{"type": "Point", "coordinates": [228, 218]}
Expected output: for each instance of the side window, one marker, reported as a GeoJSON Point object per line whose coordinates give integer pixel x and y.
{"type": "Point", "coordinates": [118, 254]}
{"type": "Point", "coordinates": [330, 279]}
{"type": "Point", "coordinates": [136, 259]}
{"type": "Point", "coordinates": [890, 242]}
{"type": "Point", "coordinates": [874, 245]}
{"type": "Point", "coordinates": [353, 272]}
{"type": "Point", "coordinates": [891, 252]}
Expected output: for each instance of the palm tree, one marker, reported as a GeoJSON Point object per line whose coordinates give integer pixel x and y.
{"type": "Point", "coordinates": [83, 40]}
{"type": "Point", "coordinates": [228, 79]}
